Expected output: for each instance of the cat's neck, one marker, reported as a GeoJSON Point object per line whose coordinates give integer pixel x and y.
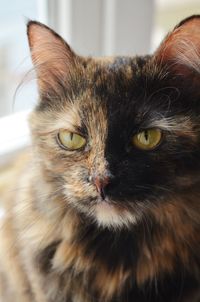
{"type": "Point", "coordinates": [114, 257]}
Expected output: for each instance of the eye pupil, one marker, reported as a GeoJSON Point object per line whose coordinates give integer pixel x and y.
{"type": "Point", "coordinates": [71, 135]}
{"type": "Point", "coordinates": [146, 135]}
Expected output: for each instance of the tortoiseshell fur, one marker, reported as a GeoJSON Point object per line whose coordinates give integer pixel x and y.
{"type": "Point", "coordinates": [59, 241]}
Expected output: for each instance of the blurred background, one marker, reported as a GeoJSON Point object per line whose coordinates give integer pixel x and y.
{"type": "Point", "coordinates": [92, 27]}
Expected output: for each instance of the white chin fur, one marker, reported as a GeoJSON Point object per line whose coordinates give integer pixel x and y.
{"type": "Point", "coordinates": [109, 216]}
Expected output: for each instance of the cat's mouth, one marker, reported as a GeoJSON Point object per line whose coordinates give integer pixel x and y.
{"type": "Point", "coordinates": [108, 213]}
{"type": "Point", "coordinates": [105, 204]}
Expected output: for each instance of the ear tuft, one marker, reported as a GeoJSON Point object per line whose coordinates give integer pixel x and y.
{"type": "Point", "coordinates": [180, 50]}
{"type": "Point", "coordinates": [52, 57]}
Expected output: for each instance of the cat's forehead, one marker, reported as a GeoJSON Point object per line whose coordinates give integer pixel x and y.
{"type": "Point", "coordinates": [131, 93]}
{"type": "Point", "coordinates": [123, 78]}
{"type": "Point", "coordinates": [111, 72]}
{"type": "Point", "coordinates": [107, 86]}
{"type": "Point", "coordinates": [98, 88]}
{"type": "Point", "coordinates": [110, 81]}
{"type": "Point", "coordinates": [124, 92]}
{"type": "Point", "coordinates": [123, 85]}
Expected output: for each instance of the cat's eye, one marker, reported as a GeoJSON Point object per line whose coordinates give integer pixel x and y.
{"type": "Point", "coordinates": [71, 140]}
{"type": "Point", "coordinates": [147, 139]}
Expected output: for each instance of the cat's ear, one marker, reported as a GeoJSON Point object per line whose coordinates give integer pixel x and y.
{"type": "Point", "coordinates": [180, 50]}
{"type": "Point", "coordinates": [52, 57]}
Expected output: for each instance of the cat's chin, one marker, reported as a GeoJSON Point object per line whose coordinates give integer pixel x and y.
{"type": "Point", "coordinates": [109, 215]}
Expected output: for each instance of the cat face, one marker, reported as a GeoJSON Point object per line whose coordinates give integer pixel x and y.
{"type": "Point", "coordinates": [92, 114]}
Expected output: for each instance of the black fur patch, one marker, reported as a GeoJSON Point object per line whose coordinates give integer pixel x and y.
{"type": "Point", "coordinates": [44, 257]}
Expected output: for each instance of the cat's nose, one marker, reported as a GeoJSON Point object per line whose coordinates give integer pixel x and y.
{"type": "Point", "coordinates": [100, 184]}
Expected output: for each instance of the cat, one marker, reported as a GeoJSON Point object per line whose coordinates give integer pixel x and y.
{"type": "Point", "coordinates": [105, 204]}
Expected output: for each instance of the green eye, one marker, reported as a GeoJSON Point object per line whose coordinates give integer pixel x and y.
{"type": "Point", "coordinates": [147, 139]}
{"type": "Point", "coordinates": [71, 140]}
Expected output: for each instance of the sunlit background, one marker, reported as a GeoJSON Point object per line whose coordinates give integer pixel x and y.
{"type": "Point", "coordinates": [93, 27]}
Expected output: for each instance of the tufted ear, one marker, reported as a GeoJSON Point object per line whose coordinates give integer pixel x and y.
{"type": "Point", "coordinates": [52, 57]}
{"type": "Point", "coordinates": [180, 50]}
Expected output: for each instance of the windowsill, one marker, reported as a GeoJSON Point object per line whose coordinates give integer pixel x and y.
{"type": "Point", "coordinates": [14, 135]}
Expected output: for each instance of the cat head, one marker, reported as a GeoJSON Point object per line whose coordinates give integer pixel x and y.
{"type": "Point", "coordinates": [119, 137]}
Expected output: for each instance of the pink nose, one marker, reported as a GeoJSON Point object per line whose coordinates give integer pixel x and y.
{"type": "Point", "coordinates": [100, 184]}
